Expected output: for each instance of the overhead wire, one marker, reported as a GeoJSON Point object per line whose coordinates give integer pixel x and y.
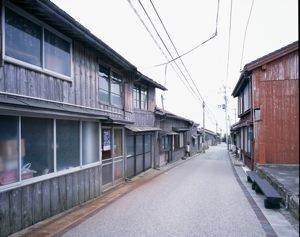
{"type": "Point", "coordinates": [197, 46]}
{"type": "Point", "coordinates": [166, 47]}
{"type": "Point", "coordinates": [181, 60]}
{"type": "Point", "coordinates": [244, 40]}
{"type": "Point", "coordinates": [156, 43]}
{"type": "Point", "coordinates": [189, 87]}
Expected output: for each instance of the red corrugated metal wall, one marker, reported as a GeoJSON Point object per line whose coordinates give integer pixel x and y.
{"type": "Point", "coordinates": [276, 93]}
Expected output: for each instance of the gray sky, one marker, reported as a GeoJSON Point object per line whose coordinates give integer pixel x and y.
{"type": "Point", "coordinates": [273, 24]}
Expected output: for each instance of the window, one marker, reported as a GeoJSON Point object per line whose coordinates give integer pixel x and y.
{"type": "Point", "coordinates": [118, 148]}
{"type": "Point", "coordinates": [9, 150]}
{"type": "Point", "coordinates": [147, 143]}
{"type": "Point", "coordinates": [144, 99]}
{"type": "Point", "coordinates": [106, 144]}
{"type": "Point", "coordinates": [22, 38]}
{"type": "Point", "coordinates": [140, 98]}
{"type": "Point", "coordinates": [90, 142]}
{"type": "Point", "coordinates": [57, 54]}
{"type": "Point", "coordinates": [130, 145]}
{"type": "Point", "coordinates": [116, 90]}
{"type": "Point", "coordinates": [32, 44]}
{"type": "Point", "coordinates": [110, 87]}
{"type": "Point", "coordinates": [104, 84]}
{"type": "Point", "coordinates": [28, 143]}
{"type": "Point", "coordinates": [67, 144]}
{"type": "Point", "coordinates": [38, 149]}
{"type": "Point", "coordinates": [139, 144]}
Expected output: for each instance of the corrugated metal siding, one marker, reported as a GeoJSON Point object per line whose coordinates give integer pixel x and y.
{"type": "Point", "coordinates": [276, 93]}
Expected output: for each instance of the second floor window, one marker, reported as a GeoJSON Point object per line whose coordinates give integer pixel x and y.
{"type": "Point", "coordinates": [140, 98]}
{"type": "Point", "coordinates": [35, 46]}
{"type": "Point", "coordinates": [110, 87]}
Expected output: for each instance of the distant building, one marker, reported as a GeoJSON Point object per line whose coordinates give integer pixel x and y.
{"type": "Point", "coordinates": [268, 108]}
{"type": "Point", "coordinates": [175, 133]}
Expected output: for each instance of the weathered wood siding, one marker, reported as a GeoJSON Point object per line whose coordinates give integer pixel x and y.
{"type": "Point", "coordinates": [83, 90]}
{"type": "Point", "coordinates": [24, 206]}
{"type": "Point", "coordinates": [276, 93]}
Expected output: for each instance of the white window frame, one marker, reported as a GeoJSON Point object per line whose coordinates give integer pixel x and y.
{"type": "Point", "coordinates": [42, 69]}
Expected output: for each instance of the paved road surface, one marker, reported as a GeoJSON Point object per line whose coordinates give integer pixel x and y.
{"type": "Point", "coordinates": [201, 197]}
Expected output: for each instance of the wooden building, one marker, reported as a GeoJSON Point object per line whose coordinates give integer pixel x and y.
{"type": "Point", "coordinates": [268, 108]}
{"type": "Point", "coordinates": [175, 133]}
{"type": "Point", "coordinates": [67, 101]}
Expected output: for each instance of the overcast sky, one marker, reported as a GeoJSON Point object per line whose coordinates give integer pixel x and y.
{"type": "Point", "coordinates": [273, 24]}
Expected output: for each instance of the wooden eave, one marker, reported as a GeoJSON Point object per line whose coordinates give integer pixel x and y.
{"type": "Point", "coordinates": [148, 81]}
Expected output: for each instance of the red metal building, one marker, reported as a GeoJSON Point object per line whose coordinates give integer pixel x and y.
{"type": "Point", "coordinates": [268, 106]}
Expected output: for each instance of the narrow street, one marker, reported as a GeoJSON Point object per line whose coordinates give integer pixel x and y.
{"type": "Point", "coordinates": [200, 197]}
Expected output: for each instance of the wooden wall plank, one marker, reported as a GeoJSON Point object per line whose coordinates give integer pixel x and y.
{"type": "Point", "coordinates": [86, 185]}
{"type": "Point", "coordinates": [75, 191]}
{"type": "Point", "coordinates": [46, 203]}
{"type": "Point", "coordinates": [69, 191]}
{"type": "Point", "coordinates": [4, 214]}
{"type": "Point", "coordinates": [54, 197]}
{"type": "Point", "coordinates": [92, 182]}
{"type": "Point", "coordinates": [81, 187]}
{"type": "Point", "coordinates": [62, 193]}
{"type": "Point", "coordinates": [15, 212]}
{"type": "Point", "coordinates": [37, 202]}
{"type": "Point", "coordinates": [97, 182]}
{"type": "Point", "coordinates": [27, 206]}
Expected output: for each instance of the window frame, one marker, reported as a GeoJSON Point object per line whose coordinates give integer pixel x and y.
{"type": "Point", "coordinates": [110, 79]}
{"type": "Point", "coordinates": [44, 27]}
{"type": "Point", "coordinates": [55, 173]}
{"type": "Point", "coordinates": [139, 89]}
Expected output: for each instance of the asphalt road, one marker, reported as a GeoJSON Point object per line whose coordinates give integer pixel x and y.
{"type": "Point", "coordinates": [200, 197]}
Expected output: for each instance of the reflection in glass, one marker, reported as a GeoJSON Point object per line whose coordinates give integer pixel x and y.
{"type": "Point", "coordinates": [67, 144]}
{"type": "Point", "coordinates": [9, 150]}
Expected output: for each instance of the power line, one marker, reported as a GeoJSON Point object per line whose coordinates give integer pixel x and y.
{"type": "Point", "coordinates": [165, 46]}
{"type": "Point", "coordinates": [246, 34]}
{"type": "Point", "coordinates": [156, 43]}
{"type": "Point", "coordinates": [176, 50]}
{"type": "Point", "coordinates": [201, 97]}
{"type": "Point", "coordinates": [205, 41]}
{"type": "Point", "coordinates": [189, 87]}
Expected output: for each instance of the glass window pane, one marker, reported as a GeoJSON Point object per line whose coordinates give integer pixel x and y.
{"type": "Point", "coordinates": [9, 150]}
{"type": "Point", "coordinates": [116, 99]}
{"type": "Point", "coordinates": [67, 144]}
{"type": "Point", "coordinates": [116, 87]}
{"type": "Point", "coordinates": [118, 145]}
{"type": "Point", "coordinates": [147, 143]}
{"type": "Point", "coordinates": [90, 142]}
{"type": "Point", "coordinates": [104, 96]}
{"type": "Point", "coordinates": [104, 83]}
{"type": "Point", "coordinates": [38, 147]}
{"type": "Point", "coordinates": [143, 99]}
{"type": "Point", "coordinates": [57, 54]}
{"type": "Point", "coordinates": [22, 38]}
{"type": "Point", "coordinates": [139, 144]}
{"type": "Point", "coordinates": [106, 144]}
{"type": "Point", "coordinates": [130, 145]}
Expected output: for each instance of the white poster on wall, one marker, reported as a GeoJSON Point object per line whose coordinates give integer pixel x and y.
{"type": "Point", "coordinates": [106, 140]}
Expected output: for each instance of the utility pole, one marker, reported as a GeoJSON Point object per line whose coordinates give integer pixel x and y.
{"type": "Point", "coordinates": [226, 115]}
{"type": "Point", "coordinates": [203, 131]}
